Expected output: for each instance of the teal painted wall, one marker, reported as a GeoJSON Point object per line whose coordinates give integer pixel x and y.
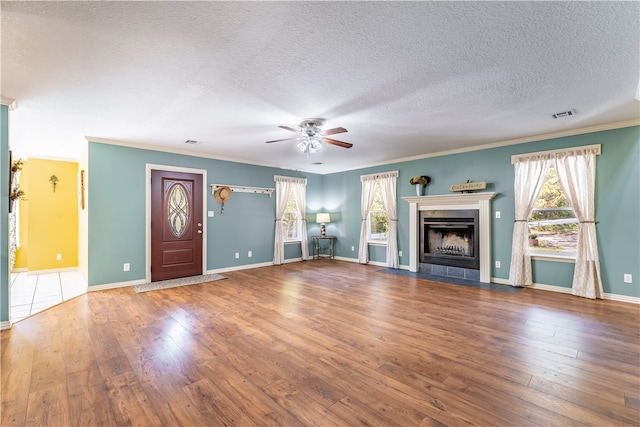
{"type": "Point", "coordinates": [116, 216]}
{"type": "Point", "coordinates": [617, 203]}
{"type": "Point", "coordinates": [4, 213]}
{"type": "Point", "coordinates": [117, 211]}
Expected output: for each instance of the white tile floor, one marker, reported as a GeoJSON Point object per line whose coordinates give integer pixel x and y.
{"type": "Point", "coordinates": [32, 293]}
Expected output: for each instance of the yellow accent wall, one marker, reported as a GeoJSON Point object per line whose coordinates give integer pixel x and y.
{"type": "Point", "coordinates": [51, 217]}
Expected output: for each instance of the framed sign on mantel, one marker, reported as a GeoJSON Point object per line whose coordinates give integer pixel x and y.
{"type": "Point", "coordinates": [468, 187]}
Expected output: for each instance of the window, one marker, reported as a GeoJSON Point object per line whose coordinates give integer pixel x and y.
{"type": "Point", "coordinates": [553, 226]}
{"type": "Point", "coordinates": [378, 220]}
{"type": "Point", "coordinates": [291, 221]}
{"type": "Point", "coordinates": [290, 216]}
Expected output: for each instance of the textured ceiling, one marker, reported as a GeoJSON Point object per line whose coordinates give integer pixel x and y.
{"type": "Point", "coordinates": [405, 78]}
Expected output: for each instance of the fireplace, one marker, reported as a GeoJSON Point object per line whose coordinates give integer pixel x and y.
{"type": "Point", "coordinates": [449, 237]}
{"type": "Point", "coordinates": [479, 202]}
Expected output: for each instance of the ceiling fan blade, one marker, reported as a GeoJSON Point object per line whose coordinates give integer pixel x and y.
{"type": "Point", "coordinates": [333, 131]}
{"type": "Point", "coordinates": [338, 143]}
{"type": "Point", "coordinates": [289, 128]}
{"type": "Point", "coordinates": [285, 139]}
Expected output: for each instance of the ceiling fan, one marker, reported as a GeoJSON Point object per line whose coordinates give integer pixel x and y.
{"type": "Point", "coordinates": [312, 136]}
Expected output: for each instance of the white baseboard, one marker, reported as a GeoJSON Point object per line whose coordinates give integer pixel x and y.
{"type": "Point", "coordinates": [53, 270]}
{"type": "Point", "coordinates": [241, 267]}
{"type": "Point", "coordinates": [565, 290]}
{"type": "Point", "coordinates": [551, 288]}
{"type": "Point", "coordinates": [116, 285]}
{"type": "Point", "coordinates": [5, 325]}
{"type": "Point", "coordinates": [621, 298]}
{"type": "Point", "coordinates": [341, 258]}
{"type": "Point", "coordinates": [143, 281]}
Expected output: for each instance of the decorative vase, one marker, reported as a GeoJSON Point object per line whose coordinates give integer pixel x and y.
{"type": "Point", "coordinates": [419, 189]}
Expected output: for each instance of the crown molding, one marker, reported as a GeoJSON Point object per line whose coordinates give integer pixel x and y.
{"type": "Point", "coordinates": [185, 153]}
{"type": "Point", "coordinates": [10, 102]}
{"type": "Point", "coordinates": [505, 143]}
{"type": "Point", "coordinates": [523, 140]}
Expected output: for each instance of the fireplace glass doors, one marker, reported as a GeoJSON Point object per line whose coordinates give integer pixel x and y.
{"type": "Point", "coordinates": [450, 237]}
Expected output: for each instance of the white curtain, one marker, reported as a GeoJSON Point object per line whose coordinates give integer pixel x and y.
{"type": "Point", "coordinates": [577, 175]}
{"type": "Point", "coordinates": [366, 200]}
{"type": "Point", "coordinates": [387, 182]}
{"type": "Point", "coordinates": [530, 173]}
{"type": "Point", "coordinates": [282, 193]}
{"type": "Point", "coordinates": [388, 190]}
{"type": "Point", "coordinates": [300, 196]}
{"type": "Point", "coordinates": [284, 185]}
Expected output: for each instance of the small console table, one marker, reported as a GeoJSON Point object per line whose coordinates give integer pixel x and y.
{"type": "Point", "coordinates": [316, 245]}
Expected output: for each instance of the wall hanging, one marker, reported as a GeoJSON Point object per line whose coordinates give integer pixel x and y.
{"type": "Point", "coordinates": [54, 181]}
{"type": "Point", "coordinates": [222, 195]}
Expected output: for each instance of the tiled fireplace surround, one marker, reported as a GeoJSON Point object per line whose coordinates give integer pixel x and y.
{"type": "Point", "coordinates": [476, 201]}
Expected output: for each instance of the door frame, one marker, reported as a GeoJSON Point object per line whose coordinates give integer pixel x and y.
{"type": "Point", "coordinates": [168, 168]}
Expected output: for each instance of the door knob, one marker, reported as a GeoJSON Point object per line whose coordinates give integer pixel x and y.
{"type": "Point", "coordinates": [199, 231]}
{"type": "Point", "coordinates": [199, 224]}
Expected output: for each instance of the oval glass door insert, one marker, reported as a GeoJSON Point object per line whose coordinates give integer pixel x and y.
{"type": "Point", "coordinates": [178, 210]}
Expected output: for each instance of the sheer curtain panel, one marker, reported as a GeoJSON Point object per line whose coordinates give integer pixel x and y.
{"type": "Point", "coordinates": [388, 190]}
{"type": "Point", "coordinates": [282, 193]}
{"type": "Point", "coordinates": [529, 177]}
{"type": "Point", "coordinates": [300, 195]}
{"type": "Point", "coordinates": [577, 175]}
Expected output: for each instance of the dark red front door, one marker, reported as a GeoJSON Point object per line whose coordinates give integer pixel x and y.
{"type": "Point", "coordinates": [176, 224]}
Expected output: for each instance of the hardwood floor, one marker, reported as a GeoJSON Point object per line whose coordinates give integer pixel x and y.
{"type": "Point", "coordinates": [324, 343]}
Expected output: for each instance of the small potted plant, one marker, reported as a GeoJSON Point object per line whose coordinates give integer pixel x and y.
{"type": "Point", "coordinates": [533, 239]}
{"type": "Point", "coordinates": [17, 165]}
{"type": "Point", "coordinates": [15, 195]}
{"type": "Point", "coordinates": [420, 182]}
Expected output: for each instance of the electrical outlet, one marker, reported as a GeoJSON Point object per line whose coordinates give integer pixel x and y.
{"type": "Point", "coordinates": [249, 254]}
{"type": "Point", "coordinates": [126, 266]}
{"type": "Point", "coordinates": [237, 255]}
{"type": "Point", "coordinates": [628, 278]}
{"type": "Point", "coordinates": [210, 214]}
{"type": "Point", "coordinates": [353, 248]}
{"type": "Point", "coordinates": [399, 253]}
{"type": "Point", "coordinates": [498, 214]}
{"type": "Point", "coordinates": [59, 257]}
{"type": "Point", "coordinates": [497, 264]}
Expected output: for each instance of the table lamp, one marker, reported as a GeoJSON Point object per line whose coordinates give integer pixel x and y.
{"type": "Point", "coordinates": [322, 218]}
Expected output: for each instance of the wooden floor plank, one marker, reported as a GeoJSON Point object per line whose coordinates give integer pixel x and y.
{"type": "Point", "coordinates": [324, 343]}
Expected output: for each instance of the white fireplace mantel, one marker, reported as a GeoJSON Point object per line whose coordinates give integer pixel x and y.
{"type": "Point", "coordinates": [479, 201]}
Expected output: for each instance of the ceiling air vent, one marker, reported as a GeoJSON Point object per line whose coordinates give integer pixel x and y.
{"type": "Point", "coordinates": [564, 114]}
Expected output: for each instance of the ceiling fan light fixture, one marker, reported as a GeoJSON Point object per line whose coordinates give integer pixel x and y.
{"type": "Point", "coordinates": [309, 146]}
{"type": "Point", "coordinates": [314, 146]}
{"type": "Point", "coordinates": [311, 137]}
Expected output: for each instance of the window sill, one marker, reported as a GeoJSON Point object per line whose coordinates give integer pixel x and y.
{"type": "Point", "coordinates": [376, 243]}
{"type": "Point", "coordinates": [538, 256]}
{"type": "Point", "coordinates": [292, 242]}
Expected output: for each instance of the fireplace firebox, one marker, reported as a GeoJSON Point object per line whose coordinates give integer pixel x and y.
{"type": "Point", "coordinates": [450, 237]}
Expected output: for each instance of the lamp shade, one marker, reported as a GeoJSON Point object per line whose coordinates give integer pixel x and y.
{"type": "Point", "coordinates": [323, 217]}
